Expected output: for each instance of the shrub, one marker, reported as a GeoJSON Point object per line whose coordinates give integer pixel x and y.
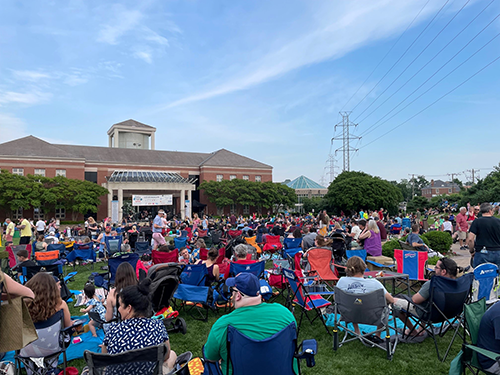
{"type": "Point", "coordinates": [388, 248]}
{"type": "Point", "coordinates": [433, 260]}
{"type": "Point", "coordinates": [438, 241]}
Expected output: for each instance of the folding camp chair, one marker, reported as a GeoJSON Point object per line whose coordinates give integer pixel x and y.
{"type": "Point", "coordinates": [485, 283]}
{"type": "Point", "coordinates": [289, 243]}
{"type": "Point", "coordinates": [45, 258]}
{"type": "Point", "coordinates": [307, 301]}
{"type": "Point", "coordinates": [412, 263]}
{"type": "Point", "coordinates": [193, 292]}
{"type": "Point", "coordinates": [180, 242]}
{"type": "Point", "coordinates": [257, 269]}
{"type": "Point", "coordinates": [363, 255]}
{"type": "Point", "coordinates": [272, 244]}
{"type": "Point", "coordinates": [164, 257]}
{"type": "Point", "coordinates": [445, 305]}
{"type": "Point", "coordinates": [147, 361]}
{"type": "Point", "coordinates": [53, 339]}
{"type": "Point", "coordinates": [252, 241]}
{"type": "Point", "coordinates": [406, 223]}
{"type": "Point", "coordinates": [13, 250]}
{"type": "Point", "coordinates": [113, 244]}
{"type": "Point", "coordinates": [83, 252]}
{"type": "Point", "coordinates": [321, 262]}
{"type": "Point", "coordinates": [234, 233]}
{"type": "Point", "coordinates": [273, 355]}
{"type": "Point", "coordinates": [113, 263]}
{"type": "Point", "coordinates": [142, 247]}
{"type": "Point", "coordinates": [370, 309]}
{"type": "Point", "coordinates": [59, 247]}
{"type": "Point", "coordinates": [54, 269]}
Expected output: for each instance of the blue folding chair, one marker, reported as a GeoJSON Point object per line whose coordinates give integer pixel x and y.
{"type": "Point", "coordinates": [113, 244]}
{"type": "Point", "coordinates": [113, 263]}
{"type": "Point", "coordinates": [258, 270]}
{"type": "Point", "coordinates": [58, 246]}
{"type": "Point", "coordinates": [307, 301]}
{"type": "Point", "coordinates": [84, 252]}
{"type": "Point", "coordinates": [362, 254]}
{"type": "Point", "coordinates": [289, 253]}
{"type": "Point", "coordinates": [180, 242]}
{"type": "Point", "coordinates": [273, 355]}
{"type": "Point", "coordinates": [193, 292]}
{"type": "Point", "coordinates": [406, 223]}
{"type": "Point", "coordinates": [289, 243]}
{"type": "Point", "coordinates": [142, 247]}
{"type": "Point", "coordinates": [485, 283]}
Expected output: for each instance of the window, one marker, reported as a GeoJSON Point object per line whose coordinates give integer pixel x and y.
{"type": "Point", "coordinates": [232, 177]}
{"type": "Point", "coordinates": [245, 177]}
{"type": "Point", "coordinates": [219, 177]}
{"type": "Point", "coordinates": [18, 171]}
{"type": "Point", "coordinates": [39, 172]}
{"type": "Point", "coordinates": [16, 215]}
{"type": "Point", "coordinates": [449, 191]}
{"type": "Point", "coordinates": [38, 213]}
{"type": "Point", "coordinates": [233, 208]}
{"type": "Point", "coordinates": [258, 178]}
{"type": "Point", "coordinates": [61, 172]}
{"type": "Point", "coordinates": [246, 209]}
{"type": "Point", "coordinates": [60, 212]}
{"type": "Point", "coordinates": [220, 211]}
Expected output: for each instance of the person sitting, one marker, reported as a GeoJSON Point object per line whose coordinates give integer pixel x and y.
{"type": "Point", "coordinates": [195, 255]}
{"type": "Point", "coordinates": [488, 337]}
{"type": "Point", "coordinates": [309, 238]}
{"type": "Point", "coordinates": [320, 242]}
{"type": "Point", "coordinates": [212, 267]}
{"type": "Point", "coordinates": [40, 244]}
{"type": "Point", "coordinates": [23, 261]}
{"type": "Point", "coordinates": [415, 240]}
{"type": "Point", "coordinates": [125, 276]}
{"type": "Point", "coordinates": [250, 316]}
{"type": "Point", "coordinates": [355, 283]}
{"type": "Point", "coordinates": [184, 255]}
{"type": "Point", "coordinates": [371, 235]}
{"type": "Point", "coordinates": [94, 304]}
{"type": "Point", "coordinates": [445, 267]}
{"type": "Point", "coordinates": [136, 330]}
{"type": "Point", "coordinates": [241, 252]}
{"type": "Point", "coordinates": [52, 238]}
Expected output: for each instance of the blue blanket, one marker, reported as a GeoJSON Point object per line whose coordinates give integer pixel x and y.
{"type": "Point", "coordinates": [75, 351]}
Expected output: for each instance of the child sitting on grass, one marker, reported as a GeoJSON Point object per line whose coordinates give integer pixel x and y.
{"type": "Point", "coordinates": [93, 305]}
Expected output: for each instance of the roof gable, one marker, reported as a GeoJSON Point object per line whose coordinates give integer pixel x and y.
{"type": "Point", "coordinates": [225, 158]}
{"type": "Point", "coordinates": [302, 182]}
{"type": "Point", "coordinates": [134, 124]}
{"type": "Point", "coordinates": [33, 146]}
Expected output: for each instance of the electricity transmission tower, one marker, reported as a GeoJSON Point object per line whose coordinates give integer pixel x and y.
{"type": "Point", "coordinates": [345, 138]}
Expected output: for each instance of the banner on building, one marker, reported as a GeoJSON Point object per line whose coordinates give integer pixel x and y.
{"type": "Point", "coordinates": [152, 200]}
{"type": "Point", "coordinates": [115, 207]}
{"type": "Point", "coordinates": [188, 207]}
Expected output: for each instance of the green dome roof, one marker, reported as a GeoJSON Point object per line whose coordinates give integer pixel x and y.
{"type": "Point", "coordinates": [303, 182]}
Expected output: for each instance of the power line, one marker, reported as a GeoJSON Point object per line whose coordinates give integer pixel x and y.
{"type": "Point", "coordinates": [373, 127]}
{"type": "Point", "coordinates": [437, 100]}
{"type": "Point", "coordinates": [415, 59]}
{"type": "Point", "coordinates": [404, 53]}
{"type": "Point", "coordinates": [436, 55]}
{"type": "Point", "coordinates": [387, 54]}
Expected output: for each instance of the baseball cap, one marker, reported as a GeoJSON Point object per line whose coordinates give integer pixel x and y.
{"type": "Point", "coordinates": [247, 283]}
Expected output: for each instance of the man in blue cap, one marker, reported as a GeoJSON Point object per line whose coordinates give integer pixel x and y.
{"type": "Point", "coordinates": [251, 317]}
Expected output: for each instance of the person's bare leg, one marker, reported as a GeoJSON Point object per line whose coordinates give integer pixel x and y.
{"type": "Point", "coordinates": [92, 328]}
{"type": "Point", "coordinates": [169, 364]}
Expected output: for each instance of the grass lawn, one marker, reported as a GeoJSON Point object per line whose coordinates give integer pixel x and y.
{"type": "Point", "coordinates": [351, 359]}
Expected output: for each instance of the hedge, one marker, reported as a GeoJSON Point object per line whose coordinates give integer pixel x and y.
{"type": "Point", "coordinates": [438, 241]}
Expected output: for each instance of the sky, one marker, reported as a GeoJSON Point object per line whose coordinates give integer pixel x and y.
{"type": "Point", "coordinates": [265, 79]}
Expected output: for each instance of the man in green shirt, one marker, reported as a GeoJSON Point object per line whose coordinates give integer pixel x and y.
{"type": "Point", "coordinates": [251, 317]}
{"type": "Point", "coordinates": [25, 228]}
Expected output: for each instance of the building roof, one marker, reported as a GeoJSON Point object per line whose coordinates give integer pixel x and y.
{"type": "Point", "coordinates": [134, 124]}
{"type": "Point", "coordinates": [149, 176]}
{"type": "Point", "coordinates": [441, 184]}
{"type": "Point", "coordinates": [31, 146]}
{"type": "Point", "coordinates": [302, 182]}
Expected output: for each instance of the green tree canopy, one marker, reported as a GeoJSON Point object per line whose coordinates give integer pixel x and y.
{"type": "Point", "coordinates": [353, 191]}
{"type": "Point", "coordinates": [486, 190]}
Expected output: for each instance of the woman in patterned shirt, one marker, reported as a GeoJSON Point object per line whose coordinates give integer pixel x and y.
{"type": "Point", "coordinates": [137, 330]}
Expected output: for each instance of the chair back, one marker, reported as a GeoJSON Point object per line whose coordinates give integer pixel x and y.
{"type": "Point", "coordinates": [412, 263]}
{"type": "Point", "coordinates": [44, 258]}
{"type": "Point", "coordinates": [203, 253]}
{"type": "Point", "coordinates": [370, 308]}
{"type": "Point", "coordinates": [234, 233]}
{"type": "Point", "coordinates": [30, 271]}
{"type": "Point", "coordinates": [163, 257]}
{"type": "Point", "coordinates": [448, 297]}
{"type": "Point", "coordinates": [256, 268]}
{"type": "Point", "coordinates": [473, 314]}
{"type": "Point", "coordinates": [273, 355]}
{"type": "Point", "coordinates": [289, 243]}
{"type": "Point", "coordinates": [356, 253]}
{"type": "Point", "coordinates": [57, 246]}
{"type": "Point", "coordinates": [142, 247]}
{"type": "Point", "coordinates": [13, 250]}
{"type": "Point", "coordinates": [113, 244]}
{"type": "Point", "coordinates": [485, 282]}
{"type": "Point", "coordinates": [406, 223]}
{"type": "Point", "coordinates": [147, 361]}
{"type": "Point", "coordinates": [113, 263]}
{"type": "Point", "coordinates": [180, 242]}
{"type": "Point", "coordinates": [194, 274]}
{"type": "Point", "coordinates": [48, 342]}
{"type": "Point", "coordinates": [295, 285]}
{"type": "Point", "coordinates": [291, 252]}
{"type": "Point", "coordinates": [321, 261]}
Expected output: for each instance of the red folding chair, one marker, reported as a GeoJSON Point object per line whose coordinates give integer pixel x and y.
{"type": "Point", "coordinates": [321, 262]}
{"type": "Point", "coordinates": [159, 257]}
{"type": "Point", "coordinates": [272, 244]}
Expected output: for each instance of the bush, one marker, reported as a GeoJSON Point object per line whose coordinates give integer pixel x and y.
{"type": "Point", "coordinates": [388, 248]}
{"type": "Point", "coordinates": [433, 260]}
{"type": "Point", "coordinates": [438, 241]}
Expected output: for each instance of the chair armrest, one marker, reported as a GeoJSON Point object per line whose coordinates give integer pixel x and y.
{"type": "Point", "coordinates": [309, 350]}
{"type": "Point", "coordinates": [487, 353]}
{"type": "Point", "coordinates": [380, 265]}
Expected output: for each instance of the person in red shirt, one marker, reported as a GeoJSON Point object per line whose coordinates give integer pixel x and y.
{"type": "Point", "coordinates": [381, 214]}
{"type": "Point", "coordinates": [462, 227]}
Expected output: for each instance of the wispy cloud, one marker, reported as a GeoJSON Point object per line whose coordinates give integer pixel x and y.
{"type": "Point", "coordinates": [143, 54]}
{"type": "Point", "coordinates": [342, 29]}
{"type": "Point", "coordinates": [154, 37]}
{"type": "Point", "coordinates": [30, 75]}
{"type": "Point", "coordinates": [11, 127]}
{"type": "Point", "coordinates": [124, 21]}
{"type": "Point", "coordinates": [29, 97]}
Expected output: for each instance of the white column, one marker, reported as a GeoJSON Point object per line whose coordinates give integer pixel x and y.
{"type": "Point", "coordinates": [110, 198]}
{"type": "Point", "coordinates": [116, 138]}
{"type": "Point", "coordinates": [120, 204]}
{"type": "Point", "coordinates": [183, 204]}
{"type": "Point", "coordinates": [110, 141]}
{"type": "Point", "coordinates": [152, 141]}
{"type": "Point", "coordinates": [189, 197]}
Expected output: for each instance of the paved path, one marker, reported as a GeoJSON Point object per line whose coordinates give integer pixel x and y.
{"type": "Point", "coordinates": [463, 256]}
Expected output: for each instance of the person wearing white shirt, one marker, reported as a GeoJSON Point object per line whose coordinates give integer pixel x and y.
{"type": "Point", "coordinates": [40, 227]}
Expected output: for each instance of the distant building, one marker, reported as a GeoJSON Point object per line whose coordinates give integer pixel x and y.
{"type": "Point", "coordinates": [439, 187]}
{"type": "Point", "coordinates": [131, 165]}
{"type": "Point", "coordinates": [306, 188]}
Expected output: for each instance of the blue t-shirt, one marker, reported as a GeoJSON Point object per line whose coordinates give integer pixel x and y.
{"type": "Point", "coordinates": [158, 221]}
{"type": "Point", "coordinates": [489, 334]}
{"type": "Point", "coordinates": [98, 308]}
{"type": "Point", "coordinates": [358, 285]}
{"type": "Point", "coordinates": [413, 237]}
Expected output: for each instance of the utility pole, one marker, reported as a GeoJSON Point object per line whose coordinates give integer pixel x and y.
{"type": "Point", "coordinates": [453, 175]}
{"type": "Point", "coordinates": [412, 184]}
{"type": "Point", "coordinates": [345, 138]}
{"type": "Point", "coordinates": [331, 167]}
{"type": "Point", "coordinates": [472, 171]}
{"type": "Point", "coordinates": [322, 180]}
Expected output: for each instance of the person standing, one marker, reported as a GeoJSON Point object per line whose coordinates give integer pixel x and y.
{"type": "Point", "coordinates": [40, 227]}
{"type": "Point", "coordinates": [25, 228]}
{"type": "Point", "coordinates": [9, 233]}
{"type": "Point", "coordinates": [484, 237]}
{"type": "Point", "coordinates": [462, 227]}
{"type": "Point", "coordinates": [158, 226]}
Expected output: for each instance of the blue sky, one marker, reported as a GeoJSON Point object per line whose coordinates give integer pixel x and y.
{"type": "Point", "coordinates": [265, 79]}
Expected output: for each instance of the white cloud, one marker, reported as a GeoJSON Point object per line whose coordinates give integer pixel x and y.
{"type": "Point", "coordinates": [123, 22]}
{"type": "Point", "coordinates": [342, 28]}
{"type": "Point", "coordinates": [143, 54]}
{"type": "Point", "coordinates": [30, 75]}
{"type": "Point", "coordinates": [75, 80]}
{"type": "Point", "coordinates": [11, 127]}
{"type": "Point", "coordinates": [30, 98]}
{"type": "Point", "coordinates": [152, 36]}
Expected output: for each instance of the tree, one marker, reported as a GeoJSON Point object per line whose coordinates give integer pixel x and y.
{"type": "Point", "coordinates": [312, 204]}
{"type": "Point", "coordinates": [417, 202]}
{"type": "Point", "coordinates": [352, 191]}
{"type": "Point", "coordinates": [405, 188]}
{"type": "Point", "coordinates": [485, 190]}
{"type": "Point", "coordinates": [417, 184]}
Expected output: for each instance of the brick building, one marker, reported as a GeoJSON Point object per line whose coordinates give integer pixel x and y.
{"type": "Point", "coordinates": [439, 187]}
{"type": "Point", "coordinates": [130, 166]}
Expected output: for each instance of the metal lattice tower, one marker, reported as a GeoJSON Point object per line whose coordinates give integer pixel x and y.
{"type": "Point", "coordinates": [345, 138]}
{"type": "Point", "coordinates": [331, 168]}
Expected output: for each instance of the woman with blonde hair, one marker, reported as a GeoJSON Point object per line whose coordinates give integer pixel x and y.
{"type": "Point", "coordinates": [371, 235]}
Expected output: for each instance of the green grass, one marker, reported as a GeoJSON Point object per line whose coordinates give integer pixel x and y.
{"type": "Point", "coordinates": [351, 359]}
